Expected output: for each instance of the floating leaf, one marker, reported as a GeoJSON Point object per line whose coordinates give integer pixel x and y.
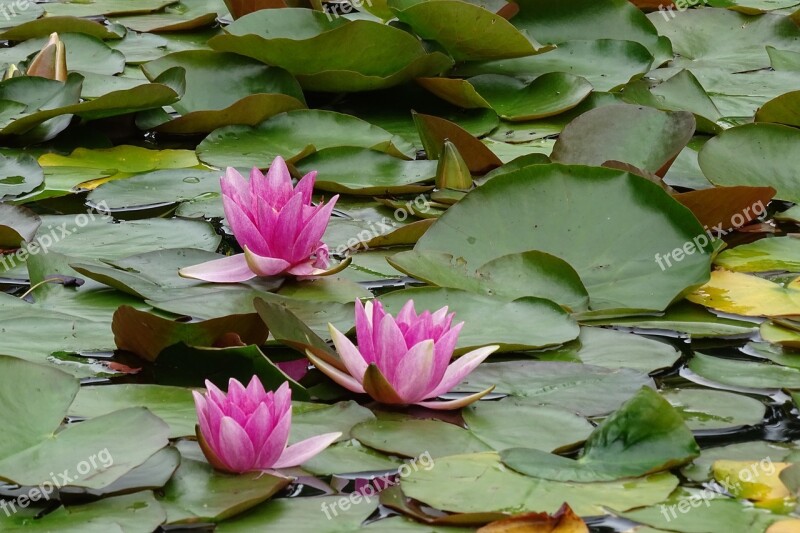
{"type": "Point", "coordinates": [643, 436]}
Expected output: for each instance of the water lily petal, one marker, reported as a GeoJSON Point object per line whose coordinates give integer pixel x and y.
{"type": "Point", "coordinates": [268, 451]}
{"type": "Point", "coordinates": [235, 449]}
{"type": "Point", "coordinates": [307, 240]}
{"type": "Point", "coordinates": [231, 269]}
{"type": "Point", "coordinates": [288, 226]}
{"type": "Point", "coordinates": [277, 188]}
{"type": "Point", "coordinates": [364, 331]}
{"type": "Point", "coordinates": [458, 370]}
{"type": "Point", "coordinates": [306, 186]}
{"type": "Point", "coordinates": [236, 188]}
{"type": "Point", "coordinates": [265, 266]}
{"type": "Point", "coordinates": [411, 378]}
{"type": "Point", "coordinates": [390, 347]}
{"type": "Point", "coordinates": [304, 450]}
{"type": "Point", "coordinates": [450, 405]}
{"type": "Point", "coordinates": [349, 354]}
{"type": "Point", "coordinates": [259, 426]}
{"type": "Point", "coordinates": [345, 380]}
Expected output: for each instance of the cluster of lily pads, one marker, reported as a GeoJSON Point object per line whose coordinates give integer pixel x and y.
{"type": "Point", "coordinates": [549, 245]}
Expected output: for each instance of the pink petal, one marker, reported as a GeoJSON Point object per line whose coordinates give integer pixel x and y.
{"type": "Point", "coordinates": [242, 223]}
{"type": "Point", "coordinates": [264, 266]}
{"type": "Point", "coordinates": [407, 314]}
{"type": "Point", "coordinates": [306, 186]}
{"type": "Point", "coordinates": [345, 380]}
{"type": "Point", "coordinates": [235, 187]}
{"type": "Point", "coordinates": [215, 394]}
{"type": "Point", "coordinates": [457, 371]}
{"type": "Point", "coordinates": [259, 426]}
{"type": "Point", "coordinates": [231, 269]}
{"type": "Point", "coordinates": [413, 373]}
{"type": "Point", "coordinates": [288, 226]}
{"type": "Point", "coordinates": [277, 188]}
{"type": "Point", "coordinates": [390, 347]}
{"type": "Point", "coordinates": [349, 354]}
{"type": "Point", "coordinates": [307, 240]}
{"type": "Point", "coordinates": [296, 369]}
{"type": "Point", "coordinates": [456, 404]}
{"type": "Point", "coordinates": [201, 407]}
{"type": "Point", "coordinates": [255, 390]}
{"type": "Point", "coordinates": [306, 268]}
{"type": "Point", "coordinates": [444, 354]}
{"type": "Point", "coordinates": [214, 416]}
{"type": "Point", "coordinates": [283, 399]}
{"type": "Point", "coordinates": [237, 394]}
{"type": "Point", "coordinates": [301, 452]}
{"type": "Point", "coordinates": [364, 332]}
{"type": "Point", "coordinates": [235, 448]}
{"type": "Point", "coordinates": [270, 450]}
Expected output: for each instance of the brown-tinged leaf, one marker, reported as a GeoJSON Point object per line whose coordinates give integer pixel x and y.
{"type": "Point", "coordinates": [433, 131]}
{"type": "Point", "coordinates": [147, 335]}
{"type": "Point", "coordinates": [17, 225]}
{"type": "Point", "coordinates": [287, 329]}
{"type": "Point", "coordinates": [563, 521]}
{"type": "Point", "coordinates": [376, 385]}
{"type": "Point", "coordinates": [627, 167]}
{"type": "Point", "coordinates": [732, 207]}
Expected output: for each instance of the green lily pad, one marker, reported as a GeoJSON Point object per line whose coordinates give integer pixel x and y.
{"type": "Point", "coordinates": [486, 486]}
{"type": "Point", "coordinates": [45, 26]}
{"type": "Point", "coordinates": [754, 154]}
{"type": "Point", "coordinates": [349, 458]}
{"type": "Point", "coordinates": [28, 423]}
{"type": "Point", "coordinates": [123, 158]}
{"type": "Point", "coordinates": [615, 349]}
{"type": "Point", "coordinates": [558, 206]}
{"type": "Point", "coordinates": [585, 19]}
{"type": "Point", "coordinates": [778, 253]}
{"type": "Point", "coordinates": [94, 453]}
{"type": "Point", "coordinates": [645, 435]}
{"type": "Point", "coordinates": [544, 428]}
{"type": "Point", "coordinates": [491, 321]}
{"type": "Point", "coordinates": [311, 419]}
{"type": "Point", "coordinates": [707, 514]}
{"type": "Point", "coordinates": [309, 45]}
{"type": "Point", "coordinates": [85, 53]}
{"type": "Point", "coordinates": [748, 374]}
{"type": "Point", "coordinates": [547, 95]}
{"type": "Point", "coordinates": [588, 140]}
{"type": "Point", "coordinates": [157, 187]}
{"type": "Point", "coordinates": [508, 277]}
{"type": "Point", "coordinates": [296, 514]}
{"type": "Point", "coordinates": [704, 409]}
{"type": "Point", "coordinates": [139, 512]}
{"type": "Point", "coordinates": [178, 16]}
{"type": "Point", "coordinates": [604, 63]}
{"type": "Point", "coordinates": [361, 171]}
{"type": "Point", "coordinates": [197, 493]}
{"type": "Point", "coordinates": [411, 438]}
{"type": "Point", "coordinates": [585, 389]}
{"type": "Point", "coordinates": [714, 37]}
{"type": "Point", "coordinates": [294, 135]}
{"type": "Point", "coordinates": [684, 317]}
{"type": "Point", "coordinates": [19, 175]}
{"type": "Point", "coordinates": [243, 77]}
{"type": "Point", "coordinates": [781, 110]}
{"type": "Point", "coordinates": [468, 32]}
{"type": "Point", "coordinates": [174, 405]}
{"type": "Point", "coordinates": [79, 8]}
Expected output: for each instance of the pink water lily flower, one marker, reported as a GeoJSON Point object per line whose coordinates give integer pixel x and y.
{"type": "Point", "coordinates": [248, 428]}
{"type": "Point", "coordinates": [404, 360]}
{"type": "Point", "coordinates": [276, 224]}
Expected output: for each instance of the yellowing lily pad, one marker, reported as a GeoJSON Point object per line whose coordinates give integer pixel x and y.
{"type": "Point", "coordinates": [743, 294]}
